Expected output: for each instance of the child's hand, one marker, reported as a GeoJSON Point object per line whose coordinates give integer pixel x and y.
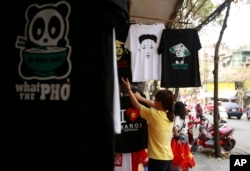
{"type": "Point", "coordinates": [126, 83]}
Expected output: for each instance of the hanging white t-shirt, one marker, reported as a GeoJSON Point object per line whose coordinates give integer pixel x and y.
{"type": "Point", "coordinates": [116, 102]}
{"type": "Point", "coordinates": [130, 161]}
{"type": "Point", "coordinates": [123, 162]}
{"type": "Point", "coordinates": [143, 42]}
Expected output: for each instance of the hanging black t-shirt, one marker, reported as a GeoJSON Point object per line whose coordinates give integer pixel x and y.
{"type": "Point", "coordinates": [180, 60]}
{"type": "Point", "coordinates": [54, 115]}
{"type": "Point", "coordinates": [123, 55]}
{"type": "Point", "coordinates": [134, 132]}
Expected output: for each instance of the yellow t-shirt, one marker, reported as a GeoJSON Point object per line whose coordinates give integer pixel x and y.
{"type": "Point", "coordinates": [160, 132]}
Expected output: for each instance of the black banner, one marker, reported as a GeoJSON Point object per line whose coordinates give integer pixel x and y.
{"type": "Point", "coordinates": [239, 162]}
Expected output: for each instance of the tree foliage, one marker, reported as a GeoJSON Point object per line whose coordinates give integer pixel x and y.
{"type": "Point", "coordinates": [190, 13]}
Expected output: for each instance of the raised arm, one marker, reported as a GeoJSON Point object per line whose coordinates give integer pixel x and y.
{"type": "Point", "coordinates": [144, 100]}
{"type": "Point", "coordinates": [132, 97]}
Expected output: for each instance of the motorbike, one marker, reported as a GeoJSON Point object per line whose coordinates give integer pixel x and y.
{"type": "Point", "coordinates": [193, 122]}
{"type": "Point", "coordinates": [205, 137]}
{"type": "Point", "coordinates": [224, 118]}
{"type": "Point", "coordinates": [223, 114]}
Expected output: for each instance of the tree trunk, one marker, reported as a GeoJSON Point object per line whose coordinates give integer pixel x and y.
{"type": "Point", "coordinates": [217, 146]}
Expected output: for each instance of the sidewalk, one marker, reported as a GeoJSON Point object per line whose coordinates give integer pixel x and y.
{"type": "Point", "coordinates": [205, 160]}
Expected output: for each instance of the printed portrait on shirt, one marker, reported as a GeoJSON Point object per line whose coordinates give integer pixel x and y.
{"type": "Point", "coordinates": [123, 61]}
{"type": "Point", "coordinates": [180, 51]}
{"type": "Point", "coordinates": [147, 44]}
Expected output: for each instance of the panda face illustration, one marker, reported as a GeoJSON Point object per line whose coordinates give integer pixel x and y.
{"type": "Point", "coordinates": [44, 49]}
{"type": "Point", "coordinates": [46, 28]}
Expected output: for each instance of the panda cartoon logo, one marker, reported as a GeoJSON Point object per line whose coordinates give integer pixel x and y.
{"type": "Point", "coordinates": [45, 49]}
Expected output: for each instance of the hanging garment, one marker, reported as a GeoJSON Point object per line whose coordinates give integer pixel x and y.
{"type": "Point", "coordinates": [50, 64]}
{"type": "Point", "coordinates": [123, 162]}
{"type": "Point", "coordinates": [122, 54]}
{"type": "Point", "coordinates": [116, 94]}
{"type": "Point", "coordinates": [130, 161]}
{"type": "Point", "coordinates": [134, 134]}
{"type": "Point", "coordinates": [123, 57]}
{"type": "Point", "coordinates": [142, 41]}
{"type": "Point", "coordinates": [180, 60]}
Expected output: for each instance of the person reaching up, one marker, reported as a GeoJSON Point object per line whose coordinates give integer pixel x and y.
{"type": "Point", "coordinates": [160, 118]}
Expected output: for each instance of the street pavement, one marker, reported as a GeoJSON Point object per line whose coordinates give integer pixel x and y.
{"type": "Point", "coordinates": [206, 161]}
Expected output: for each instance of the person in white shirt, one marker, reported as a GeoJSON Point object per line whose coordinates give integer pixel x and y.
{"type": "Point", "coordinates": [180, 126]}
{"type": "Point", "coordinates": [222, 113]}
{"type": "Point", "coordinates": [181, 119]}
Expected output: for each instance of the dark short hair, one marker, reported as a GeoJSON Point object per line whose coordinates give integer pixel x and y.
{"type": "Point", "coordinates": [179, 109]}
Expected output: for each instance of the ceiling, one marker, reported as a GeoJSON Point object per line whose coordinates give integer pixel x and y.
{"type": "Point", "coordinates": [151, 11]}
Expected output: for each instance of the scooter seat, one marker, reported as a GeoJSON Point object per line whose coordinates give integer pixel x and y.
{"type": "Point", "coordinates": [225, 130]}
